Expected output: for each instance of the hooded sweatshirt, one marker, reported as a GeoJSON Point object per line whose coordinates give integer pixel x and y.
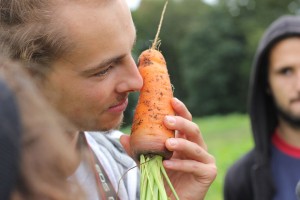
{"type": "Point", "coordinates": [251, 177]}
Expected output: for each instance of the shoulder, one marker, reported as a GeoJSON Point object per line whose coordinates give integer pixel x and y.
{"type": "Point", "coordinates": [237, 184]}
{"type": "Point", "coordinates": [242, 165]}
{"type": "Point", "coordinates": [108, 143]}
{"type": "Point", "coordinates": [116, 162]}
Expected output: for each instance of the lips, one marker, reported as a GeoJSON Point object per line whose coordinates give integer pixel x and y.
{"type": "Point", "coordinates": [119, 107]}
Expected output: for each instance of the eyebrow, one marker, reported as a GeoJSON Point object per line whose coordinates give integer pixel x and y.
{"type": "Point", "coordinates": [102, 64]}
{"type": "Point", "coordinates": [105, 62]}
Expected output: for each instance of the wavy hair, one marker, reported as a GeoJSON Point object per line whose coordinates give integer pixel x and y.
{"type": "Point", "coordinates": [30, 32]}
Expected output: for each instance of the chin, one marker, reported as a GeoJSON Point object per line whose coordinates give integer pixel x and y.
{"type": "Point", "coordinates": [104, 124]}
{"type": "Point", "coordinates": [293, 119]}
{"type": "Point", "coordinates": [113, 124]}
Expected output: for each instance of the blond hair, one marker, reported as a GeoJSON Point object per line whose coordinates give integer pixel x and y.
{"type": "Point", "coordinates": [30, 33]}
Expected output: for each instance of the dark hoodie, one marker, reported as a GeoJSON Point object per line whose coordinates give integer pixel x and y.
{"type": "Point", "coordinates": [250, 177]}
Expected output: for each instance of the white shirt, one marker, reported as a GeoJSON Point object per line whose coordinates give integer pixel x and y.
{"type": "Point", "coordinates": [116, 165]}
{"type": "Point", "coordinates": [87, 181]}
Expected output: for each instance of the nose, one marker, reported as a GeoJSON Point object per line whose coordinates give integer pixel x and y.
{"type": "Point", "coordinates": [131, 79]}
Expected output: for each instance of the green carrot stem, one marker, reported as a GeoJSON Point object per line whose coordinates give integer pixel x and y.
{"type": "Point", "coordinates": [153, 175]}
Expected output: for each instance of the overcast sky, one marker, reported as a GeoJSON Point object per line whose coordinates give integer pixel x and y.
{"type": "Point", "coordinates": [134, 3]}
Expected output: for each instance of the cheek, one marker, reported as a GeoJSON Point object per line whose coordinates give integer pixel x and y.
{"type": "Point", "coordinates": [95, 98]}
{"type": "Point", "coordinates": [281, 93]}
{"type": "Point", "coordinates": [99, 96]}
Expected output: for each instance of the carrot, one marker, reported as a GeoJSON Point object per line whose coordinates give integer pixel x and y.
{"type": "Point", "coordinates": [148, 133]}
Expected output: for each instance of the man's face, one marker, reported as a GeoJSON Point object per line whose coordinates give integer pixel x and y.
{"type": "Point", "coordinates": [284, 78]}
{"type": "Point", "coordinates": [90, 85]}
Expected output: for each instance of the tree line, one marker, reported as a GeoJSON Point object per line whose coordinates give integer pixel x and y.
{"type": "Point", "coordinates": [209, 49]}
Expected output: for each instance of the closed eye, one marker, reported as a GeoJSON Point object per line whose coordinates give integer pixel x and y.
{"type": "Point", "coordinates": [103, 72]}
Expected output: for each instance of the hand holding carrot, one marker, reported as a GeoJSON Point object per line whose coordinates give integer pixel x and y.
{"type": "Point", "coordinates": [191, 168]}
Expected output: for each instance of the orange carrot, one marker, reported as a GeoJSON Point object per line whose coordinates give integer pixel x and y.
{"type": "Point", "coordinates": [148, 134]}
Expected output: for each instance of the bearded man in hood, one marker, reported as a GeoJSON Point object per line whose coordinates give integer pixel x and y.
{"type": "Point", "coordinates": [271, 170]}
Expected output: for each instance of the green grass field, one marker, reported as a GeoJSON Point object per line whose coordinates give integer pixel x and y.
{"type": "Point", "coordinates": [228, 138]}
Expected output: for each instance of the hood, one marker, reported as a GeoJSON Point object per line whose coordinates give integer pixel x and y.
{"type": "Point", "coordinates": [261, 108]}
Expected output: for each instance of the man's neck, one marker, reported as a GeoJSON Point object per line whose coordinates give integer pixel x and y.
{"type": "Point", "coordinates": [289, 134]}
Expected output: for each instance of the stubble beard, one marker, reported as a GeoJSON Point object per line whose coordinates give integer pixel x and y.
{"type": "Point", "coordinates": [289, 118]}
{"type": "Point", "coordinates": [116, 126]}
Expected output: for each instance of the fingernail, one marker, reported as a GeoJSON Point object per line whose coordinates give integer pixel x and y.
{"type": "Point", "coordinates": [176, 100]}
{"type": "Point", "coordinates": [170, 120]}
{"type": "Point", "coordinates": [172, 142]}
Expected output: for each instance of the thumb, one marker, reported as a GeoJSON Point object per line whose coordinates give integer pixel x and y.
{"type": "Point", "coordinates": [125, 141]}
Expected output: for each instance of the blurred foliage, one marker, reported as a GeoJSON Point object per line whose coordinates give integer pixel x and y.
{"type": "Point", "coordinates": [208, 48]}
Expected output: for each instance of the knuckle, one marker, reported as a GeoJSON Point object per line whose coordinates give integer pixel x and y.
{"type": "Point", "coordinates": [205, 147]}
{"type": "Point", "coordinates": [212, 159]}
{"type": "Point", "coordinates": [213, 171]}
{"type": "Point", "coordinates": [196, 167]}
{"type": "Point", "coordinates": [195, 129]}
{"type": "Point", "coordinates": [198, 151]}
{"type": "Point", "coordinates": [189, 116]}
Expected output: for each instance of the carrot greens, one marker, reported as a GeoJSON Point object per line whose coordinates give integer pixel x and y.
{"type": "Point", "coordinates": [153, 175]}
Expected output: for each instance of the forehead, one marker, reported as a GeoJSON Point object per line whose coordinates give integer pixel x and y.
{"type": "Point", "coordinates": [102, 27]}
{"type": "Point", "coordinates": [285, 43]}
{"type": "Point", "coordinates": [284, 53]}
{"type": "Point", "coordinates": [80, 18]}
{"type": "Point", "coordinates": [286, 47]}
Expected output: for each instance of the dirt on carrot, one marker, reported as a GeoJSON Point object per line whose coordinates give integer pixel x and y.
{"type": "Point", "coordinates": [148, 134]}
